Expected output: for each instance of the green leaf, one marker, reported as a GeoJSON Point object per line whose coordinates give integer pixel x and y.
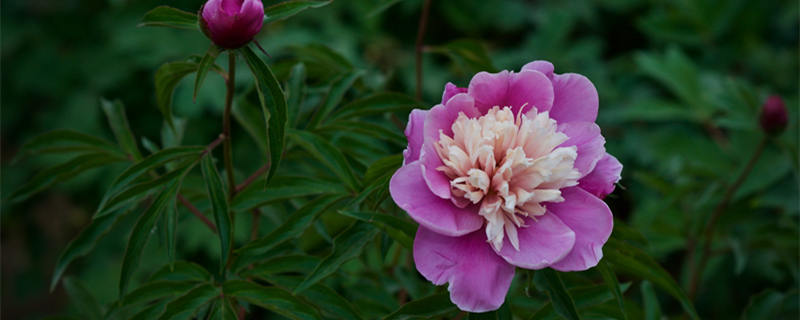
{"type": "Point", "coordinates": [156, 290]}
{"type": "Point", "coordinates": [182, 271]}
{"type": "Point", "coordinates": [585, 297]}
{"type": "Point", "coordinates": [429, 307]}
{"type": "Point", "coordinates": [185, 306]}
{"type": "Point", "coordinates": [165, 16]}
{"type": "Point", "coordinates": [62, 172]}
{"type": "Point", "coordinates": [281, 264]}
{"type": "Point", "coordinates": [378, 103]}
{"type": "Point", "coordinates": [771, 304]}
{"type": "Point", "coordinates": [322, 62]}
{"type": "Point", "coordinates": [367, 129]}
{"type": "Point", "coordinates": [273, 103]}
{"type": "Point", "coordinates": [504, 313]}
{"type": "Point", "coordinates": [334, 97]}
{"type": "Point", "coordinates": [347, 245]}
{"type": "Point", "coordinates": [652, 311]}
{"type": "Point", "coordinates": [470, 54]}
{"type": "Point", "coordinates": [399, 229]}
{"type": "Point", "coordinates": [202, 68]}
{"type": "Point", "coordinates": [151, 312]}
{"type": "Point", "coordinates": [83, 299]}
{"type": "Point", "coordinates": [635, 262]}
{"type": "Point", "coordinates": [329, 301]}
{"type": "Point", "coordinates": [295, 91]}
{"type": "Point", "coordinates": [271, 298]}
{"type": "Point", "coordinates": [223, 309]}
{"type": "Point", "coordinates": [171, 218]}
{"type": "Point", "coordinates": [141, 232]}
{"type": "Point", "coordinates": [383, 167]}
{"type": "Point", "coordinates": [115, 113]}
{"type": "Point", "coordinates": [297, 223]}
{"type": "Point", "coordinates": [329, 155]}
{"type": "Point", "coordinates": [281, 189]}
{"type": "Point", "coordinates": [167, 78]}
{"type": "Point", "coordinates": [676, 72]}
{"type": "Point", "coordinates": [247, 111]}
{"type": "Point", "coordinates": [219, 202]}
{"type": "Point", "coordinates": [562, 301]}
{"type": "Point", "coordinates": [63, 140]}
{"type": "Point", "coordinates": [287, 9]}
{"type": "Point", "coordinates": [613, 284]}
{"type": "Point", "coordinates": [85, 242]}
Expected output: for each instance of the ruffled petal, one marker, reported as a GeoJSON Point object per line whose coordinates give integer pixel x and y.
{"type": "Point", "coordinates": [407, 188]}
{"type": "Point", "coordinates": [479, 279]}
{"type": "Point", "coordinates": [450, 90]}
{"type": "Point", "coordinates": [591, 144]}
{"type": "Point", "coordinates": [600, 182]}
{"type": "Point", "coordinates": [575, 99]}
{"type": "Point", "coordinates": [542, 241]}
{"type": "Point", "coordinates": [414, 133]}
{"type": "Point", "coordinates": [542, 66]}
{"type": "Point", "coordinates": [592, 222]}
{"type": "Point", "coordinates": [531, 89]}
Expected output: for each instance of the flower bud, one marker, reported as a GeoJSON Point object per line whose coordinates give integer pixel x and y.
{"type": "Point", "coordinates": [232, 23]}
{"type": "Point", "coordinates": [773, 115]}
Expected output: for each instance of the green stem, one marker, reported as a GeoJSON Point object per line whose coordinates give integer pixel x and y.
{"type": "Point", "coordinates": [226, 122]}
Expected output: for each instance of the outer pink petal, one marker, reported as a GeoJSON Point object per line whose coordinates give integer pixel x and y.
{"type": "Point", "coordinates": [600, 182]}
{"type": "Point", "coordinates": [489, 89]}
{"type": "Point", "coordinates": [542, 242]}
{"type": "Point", "coordinates": [450, 90]}
{"type": "Point", "coordinates": [409, 192]}
{"type": "Point", "coordinates": [575, 99]}
{"type": "Point", "coordinates": [441, 118]}
{"type": "Point", "coordinates": [529, 88]}
{"type": "Point", "coordinates": [414, 133]}
{"type": "Point", "coordinates": [542, 66]}
{"type": "Point", "coordinates": [591, 144]}
{"type": "Point", "coordinates": [479, 279]}
{"type": "Point", "coordinates": [592, 222]}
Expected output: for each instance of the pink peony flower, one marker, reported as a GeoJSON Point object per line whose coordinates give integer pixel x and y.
{"type": "Point", "coordinates": [232, 23]}
{"type": "Point", "coordinates": [508, 172]}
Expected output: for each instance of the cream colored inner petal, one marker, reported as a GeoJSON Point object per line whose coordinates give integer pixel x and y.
{"type": "Point", "coordinates": [508, 165]}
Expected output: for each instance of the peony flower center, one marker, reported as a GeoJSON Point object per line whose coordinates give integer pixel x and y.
{"type": "Point", "coordinates": [508, 166]}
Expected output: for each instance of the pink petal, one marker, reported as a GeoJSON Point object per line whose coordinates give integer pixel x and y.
{"type": "Point", "coordinates": [600, 182]}
{"type": "Point", "coordinates": [542, 66]}
{"type": "Point", "coordinates": [542, 242]}
{"type": "Point", "coordinates": [450, 90]}
{"type": "Point", "coordinates": [586, 136]}
{"type": "Point", "coordinates": [529, 88]}
{"type": "Point", "coordinates": [489, 89]}
{"type": "Point", "coordinates": [575, 99]}
{"type": "Point", "coordinates": [592, 222]}
{"type": "Point", "coordinates": [414, 133]}
{"type": "Point", "coordinates": [408, 190]}
{"type": "Point", "coordinates": [479, 279]}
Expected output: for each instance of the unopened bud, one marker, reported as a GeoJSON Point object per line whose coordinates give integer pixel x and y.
{"type": "Point", "coordinates": [232, 23]}
{"type": "Point", "coordinates": [773, 115]}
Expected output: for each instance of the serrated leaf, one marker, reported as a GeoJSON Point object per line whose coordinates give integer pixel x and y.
{"type": "Point", "coordinates": [202, 68]}
{"type": "Point", "coordinates": [338, 88]}
{"type": "Point", "coordinates": [281, 189]}
{"type": "Point", "coordinates": [85, 242]}
{"type": "Point", "coordinates": [141, 232]}
{"type": "Point", "coordinates": [431, 306]}
{"type": "Point", "coordinates": [378, 103]}
{"type": "Point", "coordinates": [295, 91]}
{"type": "Point", "coordinates": [165, 16]}
{"type": "Point", "coordinates": [297, 223]}
{"type": "Point", "coordinates": [347, 245]}
{"type": "Point", "coordinates": [611, 281]}
{"type": "Point", "coordinates": [83, 299]}
{"type": "Point", "coordinates": [118, 122]}
{"type": "Point", "coordinates": [635, 262]}
{"type": "Point", "coordinates": [166, 79]}
{"type": "Point", "coordinates": [287, 9]}
{"type": "Point", "coordinates": [181, 271]}
{"type": "Point", "coordinates": [185, 306]}
{"type": "Point", "coordinates": [273, 103]}
{"type": "Point", "coordinates": [156, 290]}
{"type": "Point", "coordinates": [271, 298]}
{"type": "Point", "coordinates": [398, 229]}
{"type": "Point", "coordinates": [562, 301]}
{"type": "Point", "coordinates": [62, 172]}
{"type": "Point", "coordinates": [329, 155]}
{"type": "Point", "coordinates": [219, 203]}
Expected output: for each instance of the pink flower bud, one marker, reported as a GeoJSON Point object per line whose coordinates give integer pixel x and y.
{"type": "Point", "coordinates": [773, 115]}
{"type": "Point", "coordinates": [232, 23]}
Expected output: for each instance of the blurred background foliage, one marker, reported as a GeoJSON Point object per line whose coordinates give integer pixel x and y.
{"type": "Point", "coordinates": [680, 83]}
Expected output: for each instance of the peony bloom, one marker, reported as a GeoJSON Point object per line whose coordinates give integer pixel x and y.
{"type": "Point", "coordinates": [508, 172]}
{"type": "Point", "coordinates": [232, 23]}
{"type": "Point", "coordinates": [773, 117]}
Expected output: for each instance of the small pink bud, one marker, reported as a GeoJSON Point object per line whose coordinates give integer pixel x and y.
{"type": "Point", "coordinates": [232, 23]}
{"type": "Point", "coordinates": [773, 115]}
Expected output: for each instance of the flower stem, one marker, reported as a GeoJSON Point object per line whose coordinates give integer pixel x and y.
{"type": "Point", "coordinates": [423, 25]}
{"type": "Point", "coordinates": [696, 271]}
{"type": "Point", "coordinates": [226, 122]}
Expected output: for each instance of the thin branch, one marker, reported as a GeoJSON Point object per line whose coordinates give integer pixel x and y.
{"type": "Point", "coordinates": [696, 271]}
{"type": "Point", "coordinates": [423, 25]}
{"type": "Point", "coordinates": [199, 214]}
{"type": "Point", "coordinates": [255, 223]}
{"type": "Point", "coordinates": [252, 178]}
